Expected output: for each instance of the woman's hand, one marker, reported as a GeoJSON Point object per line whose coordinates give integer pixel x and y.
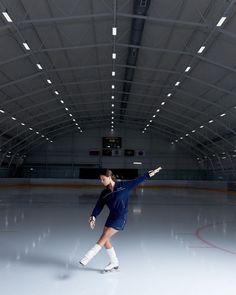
{"type": "Point", "coordinates": [153, 172]}
{"type": "Point", "coordinates": [92, 222]}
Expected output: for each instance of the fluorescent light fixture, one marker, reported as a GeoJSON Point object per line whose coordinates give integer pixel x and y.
{"type": "Point", "coordinates": [37, 132]}
{"type": "Point", "coordinates": [70, 115]}
{"type": "Point", "coordinates": [49, 81]}
{"type": "Point", "coordinates": [201, 49]}
{"type": "Point", "coordinates": [47, 138]}
{"type": "Point", "coordinates": [56, 92]}
{"type": "Point", "coordinates": [157, 110]}
{"type": "Point", "coordinates": [163, 103]}
{"type": "Point", "coordinates": [112, 130]}
{"type": "Point", "coordinates": [7, 16]}
{"type": "Point", "coordinates": [143, 131]}
{"type": "Point", "coordinates": [154, 116]}
{"type": "Point", "coordinates": [114, 31]}
{"type": "Point", "coordinates": [2, 111]}
{"type": "Point", "coordinates": [187, 69]}
{"type": "Point", "coordinates": [62, 101]}
{"type": "Point", "coordinates": [112, 105]}
{"type": "Point", "coordinates": [23, 124]}
{"type": "Point", "coordinates": [222, 115]}
{"type": "Point", "coordinates": [169, 94]}
{"type": "Point", "coordinates": [51, 141]}
{"type": "Point", "coordinates": [113, 86]}
{"type": "Point", "coordinates": [66, 109]}
{"type": "Point", "coordinates": [150, 121]}
{"type": "Point", "coordinates": [176, 140]}
{"type": "Point", "coordinates": [113, 55]}
{"type": "Point", "coordinates": [113, 73]}
{"type": "Point", "coordinates": [26, 46]}
{"type": "Point", "coordinates": [30, 128]}
{"type": "Point", "coordinates": [73, 120]}
{"type": "Point", "coordinates": [42, 135]}
{"type": "Point", "coordinates": [137, 163]}
{"type": "Point", "coordinates": [181, 138]}
{"type": "Point", "coordinates": [148, 125]}
{"type": "Point", "coordinates": [201, 126]}
{"type": "Point", "coordinates": [221, 21]}
{"type": "Point", "coordinates": [112, 97]}
{"type": "Point", "coordinates": [39, 66]}
{"type": "Point", "coordinates": [177, 83]}
{"type": "Point", "coordinates": [193, 131]}
{"type": "Point", "coordinates": [211, 121]}
{"type": "Point", "coordinates": [13, 118]}
{"type": "Point", "coordinates": [172, 142]}
{"type": "Point", "coordinates": [76, 124]}
{"type": "Point", "coordinates": [112, 118]}
{"type": "Point", "coordinates": [187, 134]}
{"type": "Point", "coordinates": [112, 112]}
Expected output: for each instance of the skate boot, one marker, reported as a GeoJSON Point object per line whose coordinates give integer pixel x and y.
{"type": "Point", "coordinates": [114, 263]}
{"type": "Point", "coordinates": [90, 254]}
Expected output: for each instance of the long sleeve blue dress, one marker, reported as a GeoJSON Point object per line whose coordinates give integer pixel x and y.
{"type": "Point", "coordinates": [117, 202]}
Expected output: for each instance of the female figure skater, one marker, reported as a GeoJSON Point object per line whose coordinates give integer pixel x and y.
{"type": "Point", "coordinates": [115, 196]}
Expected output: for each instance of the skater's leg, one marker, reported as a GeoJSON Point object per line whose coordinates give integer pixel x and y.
{"type": "Point", "coordinates": [108, 232]}
{"type": "Point", "coordinates": [108, 244]}
{"type": "Point", "coordinates": [114, 262]}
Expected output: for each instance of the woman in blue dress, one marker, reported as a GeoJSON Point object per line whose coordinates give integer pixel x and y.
{"type": "Point", "coordinates": [115, 196]}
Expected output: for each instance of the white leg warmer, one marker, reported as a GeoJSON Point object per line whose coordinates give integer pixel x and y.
{"type": "Point", "coordinates": [114, 262]}
{"type": "Point", "coordinates": [90, 254]}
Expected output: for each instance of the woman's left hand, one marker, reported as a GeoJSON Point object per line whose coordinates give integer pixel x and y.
{"type": "Point", "coordinates": [155, 171]}
{"type": "Point", "coordinates": [92, 222]}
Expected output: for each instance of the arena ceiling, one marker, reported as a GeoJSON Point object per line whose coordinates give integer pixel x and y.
{"type": "Point", "coordinates": [165, 66]}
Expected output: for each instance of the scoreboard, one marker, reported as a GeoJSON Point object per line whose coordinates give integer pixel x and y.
{"type": "Point", "coordinates": [111, 142]}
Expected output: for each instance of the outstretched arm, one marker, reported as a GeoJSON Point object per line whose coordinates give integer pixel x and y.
{"type": "Point", "coordinates": [132, 183]}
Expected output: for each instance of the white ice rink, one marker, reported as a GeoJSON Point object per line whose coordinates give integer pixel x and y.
{"type": "Point", "coordinates": [175, 242]}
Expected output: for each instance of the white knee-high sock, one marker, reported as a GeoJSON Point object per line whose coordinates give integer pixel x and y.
{"type": "Point", "coordinates": [112, 255]}
{"type": "Point", "coordinates": [90, 254]}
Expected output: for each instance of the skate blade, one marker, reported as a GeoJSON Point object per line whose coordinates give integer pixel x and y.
{"type": "Point", "coordinates": [115, 269]}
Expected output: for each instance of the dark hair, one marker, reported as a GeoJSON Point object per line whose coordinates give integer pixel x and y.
{"type": "Point", "coordinates": [107, 173]}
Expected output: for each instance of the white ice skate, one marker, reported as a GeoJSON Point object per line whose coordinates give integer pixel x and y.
{"type": "Point", "coordinates": [114, 263]}
{"type": "Point", "coordinates": [111, 267]}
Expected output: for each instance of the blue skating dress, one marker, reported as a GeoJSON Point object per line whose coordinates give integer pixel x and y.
{"type": "Point", "coordinates": [117, 202]}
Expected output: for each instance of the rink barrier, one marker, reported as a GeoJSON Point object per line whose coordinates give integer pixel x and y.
{"type": "Point", "coordinates": [213, 186]}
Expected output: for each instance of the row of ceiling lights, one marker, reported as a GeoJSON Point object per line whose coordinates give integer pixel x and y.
{"type": "Point", "coordinates": [113, 74]}
{"type": "Point", "coordinates": [177, 83]}
{"type": "Point", "coordinates": [194, 130]}
{"type": "Point", "coordinates": [66, 109]}
{"type": "Point", "coordinates": [8, 154]}
{"type": "Point", "coordinates": [222, 155]}
{"type": "Point", "coordinates": [30, 128]}
{"type": "Point", "coordinates": [39, 66]}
